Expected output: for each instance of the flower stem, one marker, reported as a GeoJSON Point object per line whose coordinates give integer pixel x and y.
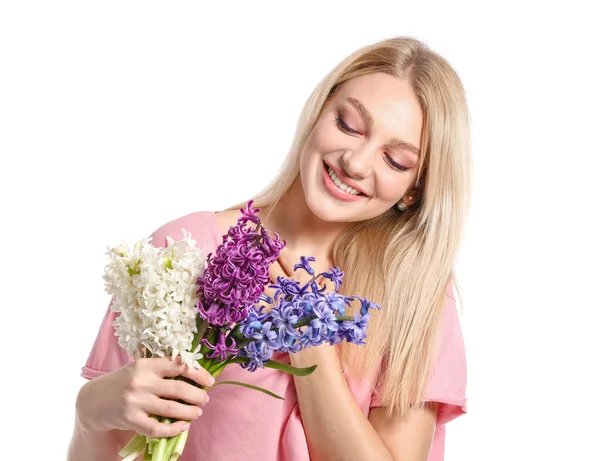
{"type": "Point", "coordinates": [134, 448]}
{"type": "Point", "coordinates": [305, 321]}
{"type": "Point", "coordinates": [216, 368]}
{"type": "Point", "coordinates": [182, 438]}
{"type": "Point", "coordinates": [132, 445]}
{"type": "Point", "coordinates": [161, 446]}
{"type": "Point", "coordinates": [172, 441]}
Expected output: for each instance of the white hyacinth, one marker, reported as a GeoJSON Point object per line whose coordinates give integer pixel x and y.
{"type": "Point", "coordinates": [154, 290]}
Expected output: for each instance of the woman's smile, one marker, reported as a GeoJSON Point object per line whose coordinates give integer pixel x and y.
{"type": "Point", "coordinates": [339, 189]}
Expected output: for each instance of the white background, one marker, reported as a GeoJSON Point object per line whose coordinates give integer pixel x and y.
{"type": "Point", "coordinates": [116, 117]}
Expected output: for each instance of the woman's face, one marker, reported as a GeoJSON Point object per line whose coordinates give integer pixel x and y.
{"type": "Point", "coordinates": [365, 135]}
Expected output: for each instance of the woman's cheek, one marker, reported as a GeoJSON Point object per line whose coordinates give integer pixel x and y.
{"type": "Point", "coordinates": [326, 138]}
{"type": "Point", "coordinates": [391, 186]}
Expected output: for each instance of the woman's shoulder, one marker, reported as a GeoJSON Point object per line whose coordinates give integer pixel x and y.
{"type": "Point", "coordinates": [204, 227]}
{"type": "Point", "coordinates": [226, 219]}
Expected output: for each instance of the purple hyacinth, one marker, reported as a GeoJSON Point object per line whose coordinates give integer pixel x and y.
{"type": "Point", "coordinates": [300, 316]}
{"type": "Point", "coordinates": [214, 314]}
{"type": "Point", "coordinates": [238, 271]}
{"type": "Point", "coordinates": [221, 349]}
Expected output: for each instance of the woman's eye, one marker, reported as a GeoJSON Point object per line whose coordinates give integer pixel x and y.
{"type": "Point", "coordinates": [395, 165]}
{"type": "Point", "coordinates": [342, 126]}
{"type": "Point", "coordinates": [345, 128]}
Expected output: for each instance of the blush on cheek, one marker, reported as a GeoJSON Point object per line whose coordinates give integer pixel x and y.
{"type": "Point", "coordinates": [326, 137]}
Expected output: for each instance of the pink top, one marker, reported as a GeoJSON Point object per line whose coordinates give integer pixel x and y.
{"type": "Point", "coordinates": [240, 423]}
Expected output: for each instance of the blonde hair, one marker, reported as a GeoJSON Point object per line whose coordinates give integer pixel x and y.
{"type": "Point", "coordinates": [403, 261]}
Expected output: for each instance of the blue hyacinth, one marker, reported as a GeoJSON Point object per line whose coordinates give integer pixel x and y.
{"type": "Point", "coordinates": [303, 316]}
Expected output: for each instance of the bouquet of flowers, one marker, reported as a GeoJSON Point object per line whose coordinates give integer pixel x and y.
{"type": "Point", "coordinates": [175, 302]}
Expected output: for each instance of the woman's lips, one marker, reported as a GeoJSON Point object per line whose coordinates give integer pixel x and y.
{"type": "Point", "coordinates": [345, 180]}
{"type": "Point", "coordinates": [336, 191]}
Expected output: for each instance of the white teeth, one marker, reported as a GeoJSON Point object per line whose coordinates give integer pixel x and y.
{"type": "Point", "coordinates": [334, 177]}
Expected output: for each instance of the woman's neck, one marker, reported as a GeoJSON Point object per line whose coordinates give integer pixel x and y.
{"type": "Point", "coordinates": [305, 233]}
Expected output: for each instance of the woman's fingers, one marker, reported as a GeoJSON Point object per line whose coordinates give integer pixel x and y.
{"type": "Point", "coordinates": [176, 389]}
{"type": "Point", "coordinates": [171, 409]}
{"type": "Point", "coordinates": [167, 368]}
{"type": "Point", "coordinates": [199, 375]}
{"type": "Point", "coordinates": [152, 428]}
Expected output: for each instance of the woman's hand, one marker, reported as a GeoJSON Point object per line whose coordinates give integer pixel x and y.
{"type": "Point", "coordinates": [125, 398]}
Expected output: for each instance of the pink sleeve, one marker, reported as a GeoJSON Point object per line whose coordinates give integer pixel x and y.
{"type": "Point", "coordinates": [106, 354]}
{"type": "Point", "coordinates": [447, 384]}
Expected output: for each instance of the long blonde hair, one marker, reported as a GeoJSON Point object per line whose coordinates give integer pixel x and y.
{"type": "Point", "coordinates": [402, 260]}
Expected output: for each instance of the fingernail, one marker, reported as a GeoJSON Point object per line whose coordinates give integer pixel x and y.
{"type": "Point", "coordinates": [185, 427]}
{"type": "Point", "coordinates": [207, 399]}
{"type": "Point", "coordinates": [211, 380]}
{"type": "Point", "coordinates": [199, 412]}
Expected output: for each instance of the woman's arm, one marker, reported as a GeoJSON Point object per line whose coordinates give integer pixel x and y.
{"type": "Point", "coordinates": [112, 408]}
{"type": "Point", "coordinates": [408, 439]}
{"type": "Point", "coordinates": [337, 429]}
{"type": "Point", "coordinates": [94, 445]}
{"type": "Point", "coordinates": [97, 446]}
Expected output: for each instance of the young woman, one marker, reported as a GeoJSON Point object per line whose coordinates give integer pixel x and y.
{"type": "Point", "coordinates": [377, 182]}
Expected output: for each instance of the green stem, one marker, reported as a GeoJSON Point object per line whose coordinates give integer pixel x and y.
{"type": "Point", "coordinates": [133, 455]}
{"type": "Point", "coordinates": [180, 445]}
{"type": "Point", "coordinates": [171, 446]}
{"type": "Point", "coordinates": [132, 445]}
{"type": "Point", "coordinates": [249, 386]}
{"type": "Point", "coordinates": [216, 368]}
{"type": "Point", "coordinates": [305, 321]}
{"type": "Point", "coordinates": [159, 450]}
{"type": "Point", "coordinates": [161, 446]}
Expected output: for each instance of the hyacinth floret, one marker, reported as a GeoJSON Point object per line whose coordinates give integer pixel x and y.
{"type": "Point", "coordinates": [355, 330]}
{"type": "Point", "coordinates": [286, 316]}
{"type": "Point", "coordinates": [335, 275]}
{"type": "Point", "coordinates": [258, 353]}
{"type": "Point", "coordinates": [221, 349]}
{"type": "Point", "coordinates": [305, 264]}
{"type": "Point", "coordinates": [285, 287]}
{"type": "Point", "coordinates": [267, 336]}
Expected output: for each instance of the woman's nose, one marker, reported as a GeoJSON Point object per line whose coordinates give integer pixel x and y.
{"type": "Point", "coordinates": [358, 163]}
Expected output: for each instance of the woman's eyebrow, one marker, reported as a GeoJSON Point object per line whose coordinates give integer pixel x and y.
{"type": "Point", "coordinates": [368, 118]}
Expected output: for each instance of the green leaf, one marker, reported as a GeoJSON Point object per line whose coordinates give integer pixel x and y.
{"type": "Point", "coordinates": [290, 369]}
{"type": "Point", "coordinates": [249, 386]}
{"type": "Point", "coordinates": [281, 367]}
